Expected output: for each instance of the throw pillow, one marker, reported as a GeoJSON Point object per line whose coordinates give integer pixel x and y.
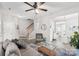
{"type": "Point", "coordinates": [21, 44]}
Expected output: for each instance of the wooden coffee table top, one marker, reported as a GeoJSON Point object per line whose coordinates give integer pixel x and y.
{"type": "Point", "coordinates": [46, 51]}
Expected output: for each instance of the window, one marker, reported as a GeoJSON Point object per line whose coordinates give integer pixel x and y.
{"type": "Point", "coordinates": [60, 28]}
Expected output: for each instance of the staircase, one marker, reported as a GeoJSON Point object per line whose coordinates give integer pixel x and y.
{"type": "Point", "coordinates": [29, 30]}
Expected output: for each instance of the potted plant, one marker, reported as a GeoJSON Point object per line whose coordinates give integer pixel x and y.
{"type": "Point", "coordinates": [75, 40]}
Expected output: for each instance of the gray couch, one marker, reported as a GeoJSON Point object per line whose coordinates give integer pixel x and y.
{"type": "Point", "coordinates": [9, 48]}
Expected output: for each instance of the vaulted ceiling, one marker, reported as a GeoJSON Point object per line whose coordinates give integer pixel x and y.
{"type": "Point", "coordinates": [54, 8]}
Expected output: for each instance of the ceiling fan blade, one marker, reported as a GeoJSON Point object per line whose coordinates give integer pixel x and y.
{"type": "Point", "coordinates": [28, 4]}
{"type": "Point", "coordinates": [28, 10]}
{"type": "Point", "coordinates": [43, 9]}
{"type": "Point", "coordinates": [41, 3]}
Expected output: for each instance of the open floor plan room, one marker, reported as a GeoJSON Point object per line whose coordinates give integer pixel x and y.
{"type": "Point", "coordinates": [39, 28]}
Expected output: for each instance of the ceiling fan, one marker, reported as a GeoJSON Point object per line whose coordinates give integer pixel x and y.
{"type": "Point", "coordinates": [36, 7]}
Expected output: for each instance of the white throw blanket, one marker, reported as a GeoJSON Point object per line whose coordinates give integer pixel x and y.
{"type": "Point", "coordinates": [12, 50]}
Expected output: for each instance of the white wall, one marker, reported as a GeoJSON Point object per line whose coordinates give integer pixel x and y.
{"type": "Point", "coordinates": [0, 28]}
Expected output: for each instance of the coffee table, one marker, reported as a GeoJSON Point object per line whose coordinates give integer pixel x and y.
{"type": "Point", "coordinates": [44, 50]}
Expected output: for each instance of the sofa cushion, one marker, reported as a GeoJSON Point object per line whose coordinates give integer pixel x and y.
{"type": "Point", "coordinates": [30, 52]}
{"type": "Point", "coordinates": [21, 44]}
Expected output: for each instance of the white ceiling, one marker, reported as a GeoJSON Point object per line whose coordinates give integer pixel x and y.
{"type": "Point", "coordinates": [54, 8]}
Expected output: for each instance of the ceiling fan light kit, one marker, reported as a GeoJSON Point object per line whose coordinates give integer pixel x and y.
{"type": "Point", "coordinates": [37, 11]}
